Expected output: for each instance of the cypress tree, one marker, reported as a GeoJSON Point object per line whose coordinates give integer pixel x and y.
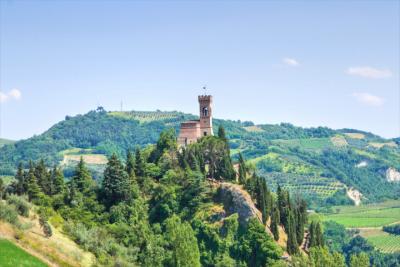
{"type": "Point", "coordinates": [116, 185]}
{"type": "Point", "coordinates": [292, 246]}
{"type": "Point", "coordinates": [299, 226]}
{"type": "Point", "coordinates": [21, 185]}
{"type": "Point", "coordinates": [313, 241]}
{"type": "Point", "coordinates": [221, 134]}
{"type": "Point", "coordinates": [242, 170]}
{"type": "Point", "coordinates": [318, 235]}
{"type": "Point", "coordinates": [275, 223]}
{"type": "Point", "coordinates": [33, 188]}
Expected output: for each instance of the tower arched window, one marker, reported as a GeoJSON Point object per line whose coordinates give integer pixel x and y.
{"type": "Point", "coordinates": [205, 111]}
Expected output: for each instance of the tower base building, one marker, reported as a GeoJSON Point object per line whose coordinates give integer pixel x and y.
{"type": "Point", "coordinates": [191, 131]}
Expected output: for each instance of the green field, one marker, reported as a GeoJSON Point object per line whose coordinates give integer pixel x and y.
{"type": "Point", "coordinates": [13, 256]}
{"type": "Point", "coordinates": [383, 241]}
{"type": "Point", "coordinates": [307, 144]}
{"type": "Point", "coordinates": [376, 215]}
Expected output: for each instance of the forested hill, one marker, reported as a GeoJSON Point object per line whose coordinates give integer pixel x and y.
{"type": "Point", "coordinates": [320, 162]}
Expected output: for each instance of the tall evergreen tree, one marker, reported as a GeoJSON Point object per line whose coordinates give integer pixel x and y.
{"type": "Point", "coordinates": [140, 165]}
{"type": "Point", "coordinates": [130, 164]}
{"type": "Point", "coordinates": [33, 188]}
{"type": "Point", "coordinates": [21, 185]}
{"type": "Point", "coordinates": [222, 134]}
{"type": "Point", "coordinates": [43, 177]}
{"type": "Point", "coordinates": [312, 240]}
{"type": "Point", "coordinates": [319, 235]}
{"type": "Point", "coordinates": [242, 170]}
{"type": "Point", "coordinates": [292, 245]}
{"type": "Point", "coordinates": [57, 181]}
{"type": "Point", "coordinates": [116, 184]}
{"type": "Point", "coordinates": [82, 181]}
{"type": "Point", "coordinates": [275, 223]}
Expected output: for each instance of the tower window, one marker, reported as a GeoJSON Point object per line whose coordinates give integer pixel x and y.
{"type": "Point", "coordinates": [205, 111]}
{"type": "Point", "coordinates": [205, 133]}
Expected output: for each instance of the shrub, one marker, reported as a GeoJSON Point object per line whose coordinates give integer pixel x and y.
{"type": "Point", "coordinates": [8, 213]}
{"type": "Point", "coordinates": [56, 220]}
{"type": "Point", "coordinates": [21, 204]}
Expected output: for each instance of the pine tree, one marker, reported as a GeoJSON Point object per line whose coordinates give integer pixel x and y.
{"type": "Point", "coordinates": [33, 188]}
{"type": "Point", "coordinates": [57, 181]}
{"type": "Point", "coordinates": [116, 184]}
{"type": "Point", "coordinates": [275, 223]}
{"type": "Point", "coordinates": [82, 180]}
{"type": "Point", "coordinates": [140, 164]}
{"type": "Point", "coordinates": [43, 177]}
{"type": "Point", "coordinates": [292, 245]}
{"type": "Point", "coordinates": [242, 170]}
{"type": "Point", "coordinates": [21, 185]}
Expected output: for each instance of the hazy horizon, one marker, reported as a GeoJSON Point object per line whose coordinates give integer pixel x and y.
{"type": "Point", "coordinates": [266, 62]}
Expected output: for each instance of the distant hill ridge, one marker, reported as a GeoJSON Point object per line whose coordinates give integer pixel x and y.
{"type": "Point", "coordinates": [320, 162]}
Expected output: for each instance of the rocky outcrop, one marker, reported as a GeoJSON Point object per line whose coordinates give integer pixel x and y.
{"type": "Point", "coordinates": [354, 195]}
{"type": "Point", "coordinates": [237, 200]}
{"type": "Point", "coordinates": [392, 175]}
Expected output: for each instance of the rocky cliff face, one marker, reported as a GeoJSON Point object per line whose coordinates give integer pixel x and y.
{"type": "Point", "coordinates": [237, 200]}
{"type": "Point", "coordinates": [392, 175]}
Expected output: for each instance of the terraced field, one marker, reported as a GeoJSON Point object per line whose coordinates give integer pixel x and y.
{"type": "Point", "coordinates": [308, 144]}
{"type": "Point", "coordinates": [383, 241]}
{"type": "Point", "coordinates": [306, 184]}
{"type": "Point", "coordinates": [13, 256]}
{"type": "Point", "coordinates": [149, 116]}
{"type": "Point", "coordinates": [376, 215]}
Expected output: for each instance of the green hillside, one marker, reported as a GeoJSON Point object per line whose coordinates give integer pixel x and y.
{"type": "Point", "coordinates": [319, 162]}
{"type": "Point", "coordinates": [5, 142]}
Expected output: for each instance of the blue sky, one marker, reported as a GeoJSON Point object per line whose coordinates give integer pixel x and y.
{"type": "Point", "coordinates": [309, 63]}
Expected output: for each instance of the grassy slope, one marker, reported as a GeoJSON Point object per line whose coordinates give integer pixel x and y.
{"type": "Point", "coordinates": [58, 250]}
{"type": "Point", "coordinates": [13, 256]}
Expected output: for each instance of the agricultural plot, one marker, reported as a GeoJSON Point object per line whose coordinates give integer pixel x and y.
{"type": "Point", "coordinates": [150, 116]}
{"type": "Point", "coordinates": [376, 215]}
{"type": "Point", "coordinates": [320, 187]}
{"type": "Point", "coordinates": [308, 144]}
{"type": "Point", "coordinates": [383, 241]}
{"type": "Point", "coordinates": [13, 256]}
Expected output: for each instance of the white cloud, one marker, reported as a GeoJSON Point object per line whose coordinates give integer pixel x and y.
{"type": "Point", "coordinates": [3, 97]}
{"type": "Point", "coordinates": [13, 94]}
{"type": "Point", "coordinates": [368, 99]}
{"type": "Point", "coordinates": [369, 72]}
{"type": "Point", "coordinates": [290, 61]}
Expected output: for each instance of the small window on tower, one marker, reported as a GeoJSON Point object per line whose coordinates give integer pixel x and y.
{"type": "Point", "coordinates": [205, 112]}
{"type": "Point", "coordinates": [205, 133]}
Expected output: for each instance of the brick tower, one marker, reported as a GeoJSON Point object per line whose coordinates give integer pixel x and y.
{"type": "Point", "coordinates": [205, 102]}
{"type": "Point", "coordinates": [193, 130]}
